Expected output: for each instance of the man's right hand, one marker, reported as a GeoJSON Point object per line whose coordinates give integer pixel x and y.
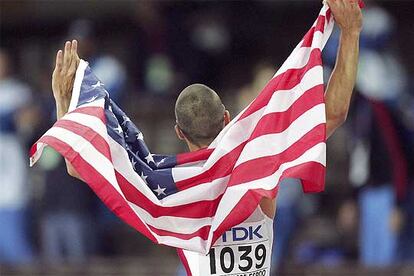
{"type": "Point", "coordinates": [347, 14]}
{"type": "Point", "coordinates": [63, 77]}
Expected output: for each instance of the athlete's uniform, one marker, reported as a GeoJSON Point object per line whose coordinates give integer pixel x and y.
{"type": "Point", "coordinates": [244, 250]}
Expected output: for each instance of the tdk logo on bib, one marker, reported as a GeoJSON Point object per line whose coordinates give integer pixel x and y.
{"type": "Point", "coordinates": [243, 233]}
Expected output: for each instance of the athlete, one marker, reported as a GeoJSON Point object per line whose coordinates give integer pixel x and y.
{"type": "Point", "coordinates": [244, 249]}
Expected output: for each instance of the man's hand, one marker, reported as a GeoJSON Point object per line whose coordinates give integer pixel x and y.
{"type": "Point", "coordinates": [347, 14]}
{"type": "Point", "coordinates": [63, 76]}
{"type": "Point", "coordinates": [67, 62]}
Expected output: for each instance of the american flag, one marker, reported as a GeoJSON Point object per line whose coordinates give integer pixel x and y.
{"type": "Point", "coordinates": [188, 200]}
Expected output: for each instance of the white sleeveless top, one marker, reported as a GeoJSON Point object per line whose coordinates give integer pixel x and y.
{"type": "Point", "coordinates": [245, 249]}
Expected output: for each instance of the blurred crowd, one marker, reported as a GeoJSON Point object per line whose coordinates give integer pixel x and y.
{"type": "Point", "coordinates": [145, 58]}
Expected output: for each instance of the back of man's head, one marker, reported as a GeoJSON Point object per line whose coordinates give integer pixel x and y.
{"type": "Point", "coordinates": [199, 113]}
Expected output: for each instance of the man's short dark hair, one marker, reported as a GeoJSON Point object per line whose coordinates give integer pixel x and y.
{"type": "Point", "coordinates": [199, 113]}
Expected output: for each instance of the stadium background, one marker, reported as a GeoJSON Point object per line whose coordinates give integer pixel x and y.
{"type": "Point", "coordinates": [146, 52]}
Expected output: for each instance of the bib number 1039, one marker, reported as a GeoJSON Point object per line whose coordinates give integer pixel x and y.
{"type": "Point", "coordinates": [244, 257]}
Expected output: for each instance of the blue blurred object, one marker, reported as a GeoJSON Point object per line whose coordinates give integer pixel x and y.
{"type": "Point", "coordinates": [14, 244]}
{"type": "Point", "coordinates": [286, 218]}
{"type": "Point", "coordinates": [377, 240]}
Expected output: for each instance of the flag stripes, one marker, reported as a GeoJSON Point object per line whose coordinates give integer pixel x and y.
{"type": "Point", "coordinates": [189, 200]}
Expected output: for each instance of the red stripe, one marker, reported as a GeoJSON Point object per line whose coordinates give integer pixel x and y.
{"type": "Point", "coordinates": [95, 111]}
{"type": "Point", "coordinates": [328, 15]}
{"type": "Point", "coordinates": [319, 27]}
{"type": "Point", "coordinates": [284, 81]}
{"type": "Point", "coordinates": [103, 189]}
{"type": "Point", "coordinates": [202, 233]}
{"type": "Point", "coordinates": [184, 261]}
{"type": "Point", "coordinates": [194, 156]}
{"type": "Point", "coordinates": [98, 142]}
{"type": "Point", "coordinates": [312, 175]}
{"type": "Point", "coordinates": [270, 123]}
{"type": "Point", "coordinates": [199, 209]}
{"type": "Point", "coordinates": [33, 149]}
{"type": "Point", "coordinates": [268, 165]}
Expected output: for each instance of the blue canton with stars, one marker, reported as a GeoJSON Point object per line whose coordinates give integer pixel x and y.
{"type": "Point", "coordinates": [154, 169]}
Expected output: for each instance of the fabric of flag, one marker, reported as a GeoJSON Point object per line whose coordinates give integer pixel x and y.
{"type": "Point", "coordinates": [188, 200]}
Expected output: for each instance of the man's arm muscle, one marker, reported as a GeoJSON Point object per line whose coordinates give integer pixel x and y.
{"type": "Point", "coordinates": [348, 16]}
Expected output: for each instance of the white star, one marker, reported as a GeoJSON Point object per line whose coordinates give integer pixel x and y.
{"type": "Point", "coordinates": [140, 136]}
{"type": "Point", "coordinates": [133, 162]}
{"type": "Point", "coordinates": [92, 99]}
{"type": "Point", "coordinates": [149, 158]}
{"type": "Point", "coordinates": [161, 161]}
{"type": "Point", "coordinates": [160, 191]}
{"type": "Point", "coordinates": [98, 84]}
{"type": "Point", "coordinates": [143, 176]}
{"type": "Point", "coordinates": [110, 108]}
{"type": "Point", "coordinates": [126, 119]}
{"type": "Point", "coordinates": [118, 129]}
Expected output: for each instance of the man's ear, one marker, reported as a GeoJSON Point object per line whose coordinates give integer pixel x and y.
{"type": "Point", "coordinates": [227, 118]}
{"type": "Point", "coordinates": [179, 133]}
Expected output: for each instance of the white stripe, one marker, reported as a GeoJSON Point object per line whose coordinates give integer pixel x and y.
{"type": "Point", "coordinates": [275, 143]}
{"type": "Point", "coordinates": [77, 84]}
{"type": "Point", "coordinates": [194, 244]}
{"type": "Point", "coordinates": [282, 100]}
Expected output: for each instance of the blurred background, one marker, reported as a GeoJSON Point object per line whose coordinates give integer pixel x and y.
{"type": "Point", "coordinates": [146, 52]}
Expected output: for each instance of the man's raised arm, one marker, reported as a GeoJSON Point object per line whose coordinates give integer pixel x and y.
{"type": "Point", "coordinates": [67, 62]}
{"type": "Point", "coordinates": [348, 16]}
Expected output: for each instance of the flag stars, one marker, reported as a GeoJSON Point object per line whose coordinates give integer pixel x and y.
{"type": "Point", "coordinates": [92, 99]}
{"type": "Point", "coordinates": [97, 84]}
{"type": "Point", "coordinates": [140, 136]}
{"type": "Point", "coordinates": [143, 176]}
{"type": "Point", "coordinates": [118, 129]}
{"type": "Point", "coordinates": [125, 120]}
{"type": "Point", "coordinates": [161, 161]}
{"type": "Point", "coordinates": [160, 191]}
{"type": "Point", "coordinates": [133, 163]}
{"type": "Point", "coordinates": [149, 158]}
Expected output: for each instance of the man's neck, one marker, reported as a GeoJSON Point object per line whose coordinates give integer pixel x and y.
{"type": "Point", "coordinates": [193, 147]}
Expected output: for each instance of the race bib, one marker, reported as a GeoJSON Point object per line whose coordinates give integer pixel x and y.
{"type": "Point", "coordinates": [244, 250]}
